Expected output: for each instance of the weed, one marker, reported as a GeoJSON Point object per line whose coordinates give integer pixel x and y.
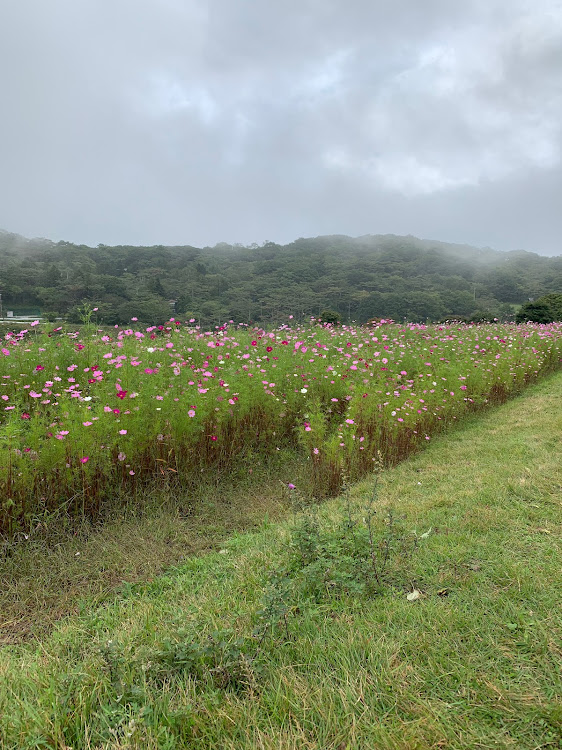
{"type": "Point", "coordinates": [222, 658]}
{"type": "Point", "coordinates": [323, 561]}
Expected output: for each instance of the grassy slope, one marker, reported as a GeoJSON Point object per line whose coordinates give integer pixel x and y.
{"type": "Point", "coordinates": [64, 563]}
{"type": "Point", "coordinates": [474, 663]}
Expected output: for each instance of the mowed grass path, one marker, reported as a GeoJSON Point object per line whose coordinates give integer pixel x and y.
{"type": "Point", "coordinates": [474, 662]}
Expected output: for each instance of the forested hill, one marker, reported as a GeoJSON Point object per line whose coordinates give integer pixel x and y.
{"type": "Point", "coordinates": [358, 278]}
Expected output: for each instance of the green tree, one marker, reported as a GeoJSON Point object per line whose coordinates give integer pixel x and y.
{"type": "Point", "coordinates": [545, 309]}
{"type": "Point", "coordinates": [330, 316]}
{"type": "Point", "coordinates": [148, 308]}
{"type": "Point", "coordinates": [538, 312]}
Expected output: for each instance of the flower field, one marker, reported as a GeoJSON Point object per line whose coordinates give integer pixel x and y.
{"type": "Point", "coordinates": [88, 414]}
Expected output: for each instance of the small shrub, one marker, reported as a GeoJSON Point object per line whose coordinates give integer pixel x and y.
{"type": "Point", "coordinates": [361, 556]}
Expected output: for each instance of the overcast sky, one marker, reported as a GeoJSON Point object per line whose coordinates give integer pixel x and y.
{"type": "Point", "coordinates": [199, 121]}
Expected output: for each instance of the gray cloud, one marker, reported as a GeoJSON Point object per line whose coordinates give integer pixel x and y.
{"type": "Point", "coordinates": [170, 121]}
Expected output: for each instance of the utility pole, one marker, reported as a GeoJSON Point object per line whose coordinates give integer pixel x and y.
{"type": "Point", "coordinates": [1, 311]}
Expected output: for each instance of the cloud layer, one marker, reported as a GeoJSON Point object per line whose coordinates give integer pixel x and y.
{"type": "Point", "coordinates": [184, 121]}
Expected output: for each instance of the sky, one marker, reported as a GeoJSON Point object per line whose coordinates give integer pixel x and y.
{"type": "Point", "coordinates": [203, 121]}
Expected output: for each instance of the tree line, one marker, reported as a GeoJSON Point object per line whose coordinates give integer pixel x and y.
{"type": "Point", "coordinates": [349, 279]}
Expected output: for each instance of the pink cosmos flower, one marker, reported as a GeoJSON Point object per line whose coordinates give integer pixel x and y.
{"type": "Point", "coordinates": [191, 413]}
{"type": "Point", "coordinates": [84, 459]}
{"type": "Point", "coordinates": [122, 432]}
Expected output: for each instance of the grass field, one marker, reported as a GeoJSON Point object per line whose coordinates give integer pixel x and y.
{"type": "Point", "coordinates": [426, 615]}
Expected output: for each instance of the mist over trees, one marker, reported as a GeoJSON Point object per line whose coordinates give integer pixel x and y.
{"type": "Point", "coordinates": [356, 279]}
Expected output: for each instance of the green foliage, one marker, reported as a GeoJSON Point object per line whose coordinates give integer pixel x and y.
{"type": "Point", "coordinates": [146, 307]}
{"type": "Point", "coordinates": [221, 658]}
{"type": "Point", "coordinates": [330, 316]}
{"type": "Point", "coordinates": [545, 309]}
{"type": "Point", "coordinates": [554, 301]}
{"type": "Point", "coordinates": [537, 312]}
{"type": "Point", "coordinates": [359, 556]}
{"type": "Point", "coordinates": [336, 278]}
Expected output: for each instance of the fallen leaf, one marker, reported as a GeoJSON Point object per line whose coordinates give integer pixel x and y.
{"type": "Point", "coordinates": [413, 595]}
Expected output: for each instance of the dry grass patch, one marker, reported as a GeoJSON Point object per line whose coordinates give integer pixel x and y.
{"type": "Point", "coordinates": [61, 568]}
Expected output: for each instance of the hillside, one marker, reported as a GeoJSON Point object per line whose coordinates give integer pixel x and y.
{"type": "Point", "coordinates": [358, 278]}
